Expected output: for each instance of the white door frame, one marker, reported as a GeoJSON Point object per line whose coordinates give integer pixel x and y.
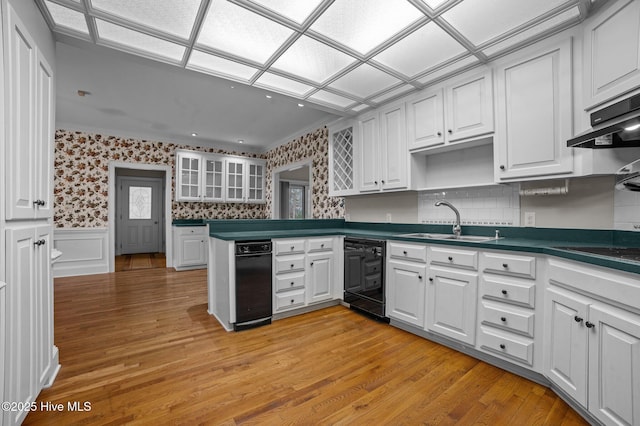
{"type": "Point", "coordinates": [113, 165]}
{"type": "Point", "coordinates": [275, 186]}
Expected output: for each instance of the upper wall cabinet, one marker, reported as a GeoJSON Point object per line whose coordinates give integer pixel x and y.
{"type": "Point", "coordinates": [30, 120]}
{"type": "Point", "coordinates": [382, 147]}
{"type": "Point", "coordinates": [342, 174]}
{"type": "Point", "coordinates": [457, 112]}
{"type": "Point", "coordinates": [219, 178]}
{"type": "Point", "coordinates": [534, 114]}
{"type": "Point", "coordinates": [612, 53]}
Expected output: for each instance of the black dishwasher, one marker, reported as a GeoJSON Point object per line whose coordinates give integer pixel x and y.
{"type": "Point", "coordinates": [253, 284]}
{"type": "Point", "coordinates": [364, 276]}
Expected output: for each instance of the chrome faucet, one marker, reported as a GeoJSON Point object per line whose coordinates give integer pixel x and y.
{"type": "Point", "coordinates": [457, 230]}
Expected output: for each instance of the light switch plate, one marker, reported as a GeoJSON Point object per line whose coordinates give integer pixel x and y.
{"type": "Point", "coordinates": [529, 219]}
{"type": "Point", "coordinates": [388, 217]}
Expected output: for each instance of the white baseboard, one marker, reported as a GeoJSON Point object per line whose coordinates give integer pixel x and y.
{"type": "Point", "coordinates": [85, 251]}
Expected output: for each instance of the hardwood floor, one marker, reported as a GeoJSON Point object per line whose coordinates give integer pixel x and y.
{"type": "Point", "coordinates": [128, 262]}
{"type": "Point", "coordinates": [140, 347]}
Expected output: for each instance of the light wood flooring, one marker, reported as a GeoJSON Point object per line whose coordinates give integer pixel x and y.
{"type": "Point", "coordinates": [128, 262]}
{"type": "Point", "coordinates": [140, 347]}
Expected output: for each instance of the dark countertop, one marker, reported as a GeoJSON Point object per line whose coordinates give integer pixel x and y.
{"type": "Point", "coordinates": [548, 241]}
{"type": "Point", "coordinates": [188, 222]}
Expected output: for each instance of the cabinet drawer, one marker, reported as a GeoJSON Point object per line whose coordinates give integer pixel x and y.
{"type": "Point", "coordinates": [506, 264]}
{"type": "Point", "coordinates": [451, 257]}
{"type": "Point", "coordinates": [320, 244]}
{"type": "Point", "coordinates": [288, 282]}
{"type": "Point", "coordinates": [507, 317]}
{"type": "Point", "coordinates": [517, 293]}
{"type": "Point", "coordinates": [191, 230]}
{"type": "Point", "coordinates": [290, 299]}
{"type": "Point", "coordinates": [509, 346]}
{"type": "Point", "coordinates": [288, 247]}
{"type": "Point", "coordinates": [411, 252]}
{"type": "Point", "coordinates": [289, 264]}
{"type": "Point", "coordinates": [373, 267]}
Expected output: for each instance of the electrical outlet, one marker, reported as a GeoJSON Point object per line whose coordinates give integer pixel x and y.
{"type": "Point", "coordinates": [388, 217]}
{"type": "Point", "coordinates": [529, 219]}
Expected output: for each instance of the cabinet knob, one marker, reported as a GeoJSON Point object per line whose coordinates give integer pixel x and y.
{"type": "Point", "coordinates": [419, 277]}
{"type": "Point", "coordinates": [292, 265]}
{"type": "Point", "coordinates": [311, 263]}
{"type": "Point", "coordinates": [404, 252]}
{"type": "Point", "coordinates": [382, 182]}
{"type": "Point", "coordinates": [589, 324]}
{"type": "Point", "coordinates": [504, 292]}
{"type": "Point", "coordinates": [431, 279]}
{"type": "Point", "coordinates": [292, 247]}
{"type": "Point", "coordinates": [502, 167]}
{"type": "Point", "coordinates": [321, 245]}
{"type": "Point", "coordinates": [503, 346]}
{"type": "Point", "coordinates": [503, 319]}
{"type": "Point", "coordinates": [577, 319]}
{"type": "Point", "coordinates": [375, 181]}
{"type": "Point", "coordinates": [439, 133]}
{"type": "Point", "coordinates": [505, 265]}
{"type": "Point", "coordinates": [450, 131]}
{"type": "Point", "coordinates": [39, 242]}
{"type": "Point", "coordinates": [450, 259]}
{"type": "Point", "coordinates": [292, 283]}
{"type": "Point", "coordinates": [292, 300]}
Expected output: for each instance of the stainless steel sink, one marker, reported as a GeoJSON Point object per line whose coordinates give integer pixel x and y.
{"type": "Point", "coordinates": [467, 238]}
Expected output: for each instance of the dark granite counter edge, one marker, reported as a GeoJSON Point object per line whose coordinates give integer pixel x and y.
{"type": "Point", "coordinates": [188, 222]}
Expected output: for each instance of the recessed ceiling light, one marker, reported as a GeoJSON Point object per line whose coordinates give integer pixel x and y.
{"type": "Point", "coordinates": [240, 141]}
{"type": "Point", "coordinates": [233, 87]}
{"type": "Point", "coordinates": [632, 128]}
{"type": "Point", "coordinates": [194, 134]}
{"type": "Point", "coordinates": [300, 105]}
{"type": "Point", "coordinates": [269, 96]}
{"type": "Point", "coordinates": [83, 93]}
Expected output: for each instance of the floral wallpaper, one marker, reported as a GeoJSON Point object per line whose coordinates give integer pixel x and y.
{"type": "Point", "coordinates": [313, 145]}
{"type": "Point", "coordinates": [81, 174]}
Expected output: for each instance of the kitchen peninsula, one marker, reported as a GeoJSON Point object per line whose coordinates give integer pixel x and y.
{"type": "Point", "coordinates": [523, 302]}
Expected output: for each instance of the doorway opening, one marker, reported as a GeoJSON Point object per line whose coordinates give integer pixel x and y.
{"type": "Point", "coordinates": [292, 191]}
{"type": "Point", "coordinates": [139, 216]}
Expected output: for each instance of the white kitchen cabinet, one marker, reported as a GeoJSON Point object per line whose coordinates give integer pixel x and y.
{"type": "Point", "coordinates": [3, 340]}
{"type": "Point", "coordinates": [304, 271]}
{"type": "Point", "coordinates": [342, 154]}
{"type": "Point", "coordinates": [611, 52]}
{"type": "Point", "coordinates": [451, 303]}
{"type": "Point", "coordinates": [534, 113]}
{"type": "Point", "coordinates": [219, 178]}
{"type": "Point", "coordinates": [405, 291]}
{"type": "Point", "coordinates": [30, 354]}
{"type": "Point", "coordinates": [320, 276]}
{"type": "Point", "coordinates": [384, 158]}
{"type": "Point", "coordinates": [30, 120]}
{"type": "Point", "coordinates": [599, 372]}
{"type": "Point", "coordinates": [191, 247]}
{"type": "Point", "coordinates": [188, 175]}
{"type": "Point", "coordinates": [459, 111]}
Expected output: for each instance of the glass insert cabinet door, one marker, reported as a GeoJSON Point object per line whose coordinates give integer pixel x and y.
{"type": "Point", "coordinates": [256, 182]}
{"type": "Point", "coordinates": [235, 180]}
{"type": "Point", "coordinates": [189, 176]}
{"type": "Point", "coordinates": [213, 180]}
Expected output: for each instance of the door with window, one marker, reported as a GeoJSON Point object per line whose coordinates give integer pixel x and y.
{"type": "Point", "coordinates": [139, 216]}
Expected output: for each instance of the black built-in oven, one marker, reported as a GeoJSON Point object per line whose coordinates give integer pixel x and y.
{"type": "Point", "coordinates": [364, 276]}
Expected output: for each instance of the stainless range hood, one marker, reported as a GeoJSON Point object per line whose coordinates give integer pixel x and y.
{"type": "Point", "coordinates": [616, 126]}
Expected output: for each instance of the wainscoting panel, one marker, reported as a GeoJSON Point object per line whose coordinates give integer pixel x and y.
{"type": "Point", "coordinates": [85, 251]}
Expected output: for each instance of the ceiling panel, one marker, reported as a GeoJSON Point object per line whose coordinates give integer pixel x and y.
{"type": "Point", "coordinates": [137, 41]}
{"type": "Point", "coordinates": [67, 18]}
{"type": "Point", "coordinates": [434, 4]}
{"type": "Point", "coordinates": [364, 81]}
{"type": "Point", "coordinates": [298, 11]}
{"type": "Point", "coordinates": [211, 64]}
{"type": "Point", "coordinates": [312, 60]}
{"type": "Point", "coordinates": [235, 30]}
{"type": "Point", "coordinates": [283, 85]}
{"type": "Point", "coordinates": [405, 88]}
{"type": "Point", "coordinates": [481, 21]}
{"type": "Point", "coordinates": [331, 99]}
{"type": "Point", "coordinates": [167, 16]}
{"type": "Point", "coordinates": [421, 50]}
{"type": "Point", "coordinates": [362, 25]}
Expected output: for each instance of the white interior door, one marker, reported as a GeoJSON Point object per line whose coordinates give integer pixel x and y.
{"type": "Point", "coordinates": [139, 215]}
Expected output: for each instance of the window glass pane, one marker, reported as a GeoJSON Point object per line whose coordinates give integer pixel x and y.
{"type": "Point", "coordinates": [296, 202]}
{"type": "Point", "coordinates": [139, 202]}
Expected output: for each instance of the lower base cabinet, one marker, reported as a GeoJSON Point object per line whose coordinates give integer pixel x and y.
{"type": "Point", "coordinates": [592, 349]}
{"type": "Point", "coordinates": [406, 291]}
{"type": "Point", "coordinates": [191, 247]}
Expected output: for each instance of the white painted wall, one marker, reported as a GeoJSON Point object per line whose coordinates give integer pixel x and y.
{"type": "Point", "coordinates": [403, 207]}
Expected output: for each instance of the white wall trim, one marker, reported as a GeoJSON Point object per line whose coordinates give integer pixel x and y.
{"type": "Point", "coordinates": [113, 165]}
{"type": "Point", "coordinates": [84, 251]}
{"type": "Point", "coordinates": [275, 186]}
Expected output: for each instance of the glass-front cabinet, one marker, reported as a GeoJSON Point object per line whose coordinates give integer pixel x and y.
{"type": "Point", "coordinates": [219, 178]}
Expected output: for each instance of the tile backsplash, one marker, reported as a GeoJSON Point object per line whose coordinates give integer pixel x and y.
{"type": "Point", "coordinates": [626, 211]}
{"type": "Point", "coordinates": [486, 205]}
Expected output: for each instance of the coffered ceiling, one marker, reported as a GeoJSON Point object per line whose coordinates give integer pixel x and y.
{"type": "Point", "coordinates": [346, 55]}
